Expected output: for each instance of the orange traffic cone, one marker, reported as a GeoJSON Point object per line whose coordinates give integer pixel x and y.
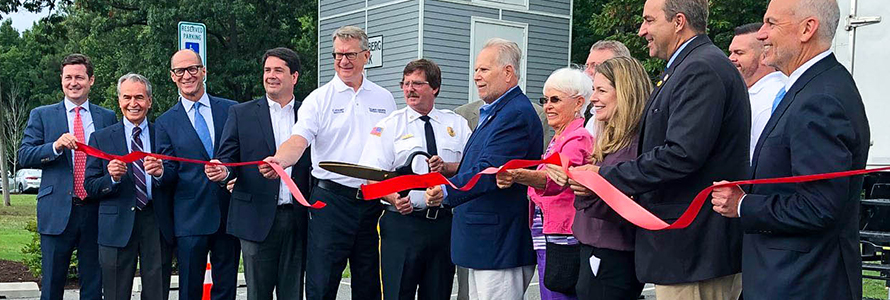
{"type": "Point", "coordinates": [208, 283]}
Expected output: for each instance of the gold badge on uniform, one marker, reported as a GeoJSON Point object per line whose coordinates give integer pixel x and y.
{"type": "Point", "coordinates": [407, 136]}
{"type": "Point", "coordinates": [451, 131]}
{"type": "Point", "coordinates": [660, 82]}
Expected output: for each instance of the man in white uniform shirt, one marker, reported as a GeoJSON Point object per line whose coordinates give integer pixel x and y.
{"type": "Point", "coordinates": [415, 245]}
{"type": "Point", "coordinates": [764, 82]}
{"type": "Point", "coordinates": [336, 120]}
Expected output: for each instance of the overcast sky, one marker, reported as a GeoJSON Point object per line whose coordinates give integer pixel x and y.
{"type": "Point", "coordinates": [23, 20]}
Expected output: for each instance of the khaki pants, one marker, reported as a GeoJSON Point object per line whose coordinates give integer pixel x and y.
{"type": "Point", "coordinates": [721, 288]}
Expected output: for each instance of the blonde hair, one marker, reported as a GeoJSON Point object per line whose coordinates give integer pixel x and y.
{"type": "Point", "coordinates": [632, 88]}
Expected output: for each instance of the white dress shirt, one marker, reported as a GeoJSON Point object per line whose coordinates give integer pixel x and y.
{"type": "Point", "coordinates": [205, 112]}
{"type": "Point", "coordinates": [85, 117]}
{"type": "Point", "coordinates": [336, 120]}
{"type": "Point", "coordinates": [791, 79]}
{"type": "Point", "coordinates": [762, 94]}
{"type": "Point", "coordinates": [403, 133]}
{"type": "Point", "coordinates": [282, 121]}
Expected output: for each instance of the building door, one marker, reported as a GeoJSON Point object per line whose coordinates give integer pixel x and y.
{"type": "Point", "coordinates": [483, 29]}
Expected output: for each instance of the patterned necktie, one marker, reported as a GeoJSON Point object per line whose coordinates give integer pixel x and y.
{"type": "Point", "coordinates": [202, 130]}
{"type": "Point", "coordinates": [778, 99]}
{"type": "Point", "coordinates": [430, 136]}
{"type": "Point", "coordinates": [80, 158]}
{"type": "Point", "coordinates": [138, 171]}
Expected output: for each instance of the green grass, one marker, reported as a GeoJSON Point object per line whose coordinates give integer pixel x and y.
{"type": "Point", "coordinates": [872, 288]}
{"type": "Point", "coordinates": [13, 219]}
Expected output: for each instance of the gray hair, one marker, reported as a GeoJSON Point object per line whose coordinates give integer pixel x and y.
{"type": "Point", "coordinates": [572, 82]}
{"type": "Point", "coordinates": [696, 12]}
{"type": "Point", "coordinates": [508, 53]}
{"type": "Point", "coordinates": [826, 11]}
{"type": "Point", "coordinates": [135, 78]}
{"type": "Point", "coordinates": [351, 33]}
{"type": "Point", "coordinates": [617, 48]}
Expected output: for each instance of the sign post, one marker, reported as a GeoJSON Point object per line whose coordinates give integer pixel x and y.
{"type": "Point", "coordinates": [194, 36]}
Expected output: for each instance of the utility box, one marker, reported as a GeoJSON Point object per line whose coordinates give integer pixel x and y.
{"type": "Point", "coordinates": [450, 33]}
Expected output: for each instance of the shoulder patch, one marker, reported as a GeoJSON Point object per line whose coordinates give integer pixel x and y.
{"type": "Point", "coordinates": [377, 131]}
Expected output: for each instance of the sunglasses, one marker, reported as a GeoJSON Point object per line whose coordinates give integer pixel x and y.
{"type": "Point", "coordinates": [552, 99]}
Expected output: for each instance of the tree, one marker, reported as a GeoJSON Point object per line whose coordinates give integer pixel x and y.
{"type": "Point", "coordinates": [620, 20]}
{"type": "Point", "coordinates": [14, 119]}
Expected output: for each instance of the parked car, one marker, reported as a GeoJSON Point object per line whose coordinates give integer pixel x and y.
{"type": "Point", "coordinates": [28, 180]}
{"type": "Point", "coordinates": [11, 182]}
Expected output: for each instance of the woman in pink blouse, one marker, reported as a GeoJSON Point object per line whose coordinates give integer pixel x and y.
{"type": "Point", "coordinates": [551, 210]}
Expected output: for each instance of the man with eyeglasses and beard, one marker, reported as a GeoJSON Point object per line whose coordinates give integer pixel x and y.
{"type": "Point", "coordinates": [336, 120]}
{"type": "Point", "coordinates": [415, 245]}
{"type": "Point", "coordinates": [192, 129]}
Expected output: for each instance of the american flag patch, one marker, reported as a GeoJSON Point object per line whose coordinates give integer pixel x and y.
{"type": "Point", "coordinates": [377, 131]}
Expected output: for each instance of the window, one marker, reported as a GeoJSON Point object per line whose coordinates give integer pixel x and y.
{"type": "Point", "coordinates": [483, 29]}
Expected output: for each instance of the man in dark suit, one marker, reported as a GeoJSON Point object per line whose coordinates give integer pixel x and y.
{"type": "Point", "coordinates": [272, 228]}
{"type": "Point", "coordinates": [695, 130]}
{"type": "Point", "coordinates": [66, 215]}
{"type": "Point", "coordinates": [804, 234]}
{"type": "Point", "coordinates": [192, 129]}
{"type": "Point", "coordinates": [134, 217]}
{"type": "Point", "coordinates": [489, 233]}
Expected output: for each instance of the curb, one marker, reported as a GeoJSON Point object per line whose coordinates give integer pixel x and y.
{"type": "Point", "coordinates": [29, 289]}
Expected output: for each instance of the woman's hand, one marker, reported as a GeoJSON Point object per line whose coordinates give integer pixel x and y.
{"type": "Point", "coordinates": [556, 174]}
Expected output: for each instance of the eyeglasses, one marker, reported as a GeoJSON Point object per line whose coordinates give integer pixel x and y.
{"type": "Point", "coordinates": [552, 99]}
{"type": "Point", "coordinates": [193, 70]}
{"type": "Point", "coordinates": [350, 56]}
{"type": "Point", "coordinates": [409, 84]}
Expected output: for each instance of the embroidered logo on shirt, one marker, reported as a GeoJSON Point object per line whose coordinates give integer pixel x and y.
{"type": "Point", "coordinates": [338, 110]}
{"type": "Point", "coordinates": [377, 131]}
{"type": "Point", "coordinates": [377, 110]}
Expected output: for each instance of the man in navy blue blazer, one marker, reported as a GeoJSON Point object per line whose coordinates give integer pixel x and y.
{"type": "Point", "coordinates": [806, 234]}
{"type": "Point", "coordinates": [263, 213]}
{"type": "Point", "coordinates": [490, 231]}
{"type": "Point", "coordinates": [66, 215]}
{"type": "Point", "coordinates": [192, 129]}
{"type": "Point", "coordinates": [134, 216]}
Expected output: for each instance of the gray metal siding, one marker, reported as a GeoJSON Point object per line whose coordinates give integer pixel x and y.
{"type": "Point", "coordinates": [326, 45]}
{"type": "Point", "coordinates": [399, 43]}
{"type": "Point", "coordinates": [560, 7]}
{"type": "Point", "coordinates": [446, 34]}
{"type": "Point", "coordinates": [328, 8]}
{"type": "Point", "coordinates": [548, 48]}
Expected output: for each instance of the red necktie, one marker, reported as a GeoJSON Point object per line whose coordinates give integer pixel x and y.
{"type": "Point", "coordinates": [80, 158]}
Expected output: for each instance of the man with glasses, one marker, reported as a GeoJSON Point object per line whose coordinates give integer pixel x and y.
{"type": "Point", "coordinates": [192, 129]}
{"type": "Point", "coordinates": [599, 52]}
{"type": "Point", "coordinates": [336, 120]}
{"type": "Point", "coordinates": [415, 249]}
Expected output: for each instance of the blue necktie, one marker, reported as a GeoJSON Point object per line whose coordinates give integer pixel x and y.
{"type": "Point", "coordinates": [202, 130]}
{"type": "Point", "coordinates": [778, 99]}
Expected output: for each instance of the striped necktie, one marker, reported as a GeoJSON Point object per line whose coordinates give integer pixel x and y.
{"type": "Point", "coordinates": [138, 171]}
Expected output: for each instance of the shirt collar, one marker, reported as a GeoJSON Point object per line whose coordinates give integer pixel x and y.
{"type": "Point", "coordinates": [128, 126]}
{"type": "Point", "coordinates": [763, 82]}
{"type": "Point", "coordinates": [187, 104]}
{"type": "Point", "coordinates": [803, 68]}
{"type": "Point", "coordinates": [341, 86]}
{"type": "Point", "coordinates": [486, 107]}
{"type": "Point", "coordinates": [275, 106]}
{"type": "Point", "coordinates": [414, 115]}
{"type": "Point", "coordinates": [674, 56]}
{"type": "Point", "coordinates": [69, 105]}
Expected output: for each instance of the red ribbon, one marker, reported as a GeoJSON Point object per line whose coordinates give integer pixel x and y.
{"type": "Point", "coordinates": [134, 156]}
{"type": "Point", "coordinates": [618, 201]}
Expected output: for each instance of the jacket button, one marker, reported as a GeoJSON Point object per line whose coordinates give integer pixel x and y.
{"type": "Point", "coordinates": [133, 208]}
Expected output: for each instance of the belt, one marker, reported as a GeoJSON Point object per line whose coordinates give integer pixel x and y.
{"type": "Point", "coordinates": [429, 213]}
{"type": "Point", "coordinates": [79, 202]}
{"type": "Point", "coordinates": [339, 189]}
{"type": "Point", "coordinates": [286, 206]}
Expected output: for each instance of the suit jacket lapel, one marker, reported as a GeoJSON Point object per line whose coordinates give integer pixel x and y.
{"type": "Point", "coordinates": [120, 144]}
{"type": "Point", "coordinates": [98, 120]}
{"type": "Point", "coordinates": [821, 66]}
{"type": "Point", "coordinates": [187, 129]}
{"type": "Point", "coordinates": [265, 118]}
{"type": "Point", "coordinates": [219, 120]}
{"type": "Point", "coordinates": [494, 111]}
{"type": "Point", "coordinates": [62, 116]}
